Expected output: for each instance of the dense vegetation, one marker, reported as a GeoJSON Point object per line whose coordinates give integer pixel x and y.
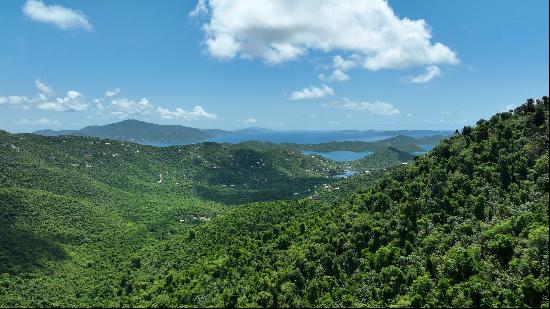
{"type": "Point", "coordinates": [384, 158]}
{"type": "Point", "coordinates": [74, 209]}
{"type": "Point", "coordinates": [465, 225]}
{"type": "Point", "coordinates": [400, 142]}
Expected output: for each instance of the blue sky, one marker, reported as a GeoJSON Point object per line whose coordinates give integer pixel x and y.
{"type": "Point", "coordinates": [345, 64]}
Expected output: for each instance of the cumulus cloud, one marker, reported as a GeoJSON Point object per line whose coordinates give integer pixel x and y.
{"type": "Point", "coordinates": [341, 63]}
{"type": "Point", "coordinates": [312, 92]}
{"type": "Point", "coordinates": [198, 113]}
{"type": "Point", "coordinates": [57, 15]}
{"type": "Point", "coordinates": [282, 30]}
{"type": "Point", "coordinates": [200, 9]}
{"type": "Point", "coordinates": [123, 108]}
{"type": "Point", "coordinates": [43, 88]}
{"type": "Point", "coordinates": [249, 120]}
{"type": "Point", "coordinates": [112, 92]}
{"type": "Point", "coordinates": [336, 76]}
{"type": "Point", "coordinates": [16, 101]}
{"type": "Point", "coordinates": [73, 101]}
{"type": "Point", "coordinates": [431, 72]}
{"type": "Point", "coordinates": [43, 100]}
{"type": "Point", "coordinates": [39, 122]}
{"type": "Point", "coordinates": [377, 108]}
{"type": "Point", "coordinates": [104, 107]}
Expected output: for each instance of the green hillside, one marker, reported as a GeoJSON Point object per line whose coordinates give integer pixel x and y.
{"type": "Point", "coordinates": [90, 222]}
{"type": "Point", "coordinates": [384, 158]}
{"type": "Point", "coordinates": [74, 209]}
{"type": "Point", "coordinates": [466, 225]}
{"type": "Point", "coordinates": [431, 140]}
{"type": "Point", "coordinates": [400, 142]}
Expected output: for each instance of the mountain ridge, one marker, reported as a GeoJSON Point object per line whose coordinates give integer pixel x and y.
{"type": "Point", "coordinates": [141, 132]}
{"type": "Point", "coordinates": [167, 135]}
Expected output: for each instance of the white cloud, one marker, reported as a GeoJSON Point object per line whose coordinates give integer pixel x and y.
{"type": "Point", "coordinates": [445, 113]}
{"type": "Point", "coordinates": [41, 122]}
{"type": "Point", "coordinates": [57, 15]}
{"type": "Point", "coordinates": [200, 9]}
{"type": "Point", "coordinates": [198, 113]}
{"type": "Point", "coordinates": [43, 88]}
{"type": "Point", "coordinates": [312, 93]}
{"type": "Point", "coordinates": [249, 120]}
{"type": "Point", "coordinates": [340, 63]}
{"type": "Point", "coordinates": [431, 72]}
{"type": "Point", "coordinates": [73, 101]}
{"type": "Point", "coordinates": [282, 30]}
{"type": "Point", "coordinates": [377, 108]}
{"type": "Point", "coordinates": [120, 108]}
{"type": "Point", "coordinates": [16, 101]}
{"type": "Point", "coordinates": [124, 108]}
{"type": "Point", "coordinates": [336, 76]}
{"type": "Point", "coordinates": [112, 92]}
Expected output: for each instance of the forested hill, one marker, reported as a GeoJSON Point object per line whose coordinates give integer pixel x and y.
{"type": "Point", "coordinates": [384, 158]}
{"type": "Point", "coordinates": [401, 142]}
{"type": "Point", "coordinates": [465, 225]}
{"type": "Point", "coordinates": [225, 173]}
{"type": "Point", "coordinates": [87, 222]}
{"type": "Point", "coordinates": [74, 210]}
{"type": "Point", "coordinates": [142, 132]}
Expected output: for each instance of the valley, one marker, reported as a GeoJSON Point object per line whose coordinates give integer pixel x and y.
{"type": "Point", "coordinates": [274, 154]}
{"type": "Point", "coordinates": [101, 222]}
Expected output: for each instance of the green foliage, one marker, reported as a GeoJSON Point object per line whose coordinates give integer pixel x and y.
{"type": "Point", "coordinates": [400, 142]}
{"type": "Point", "coordinates": [384, 158]}
{"type": "Point", "coordinates": [465, 225]}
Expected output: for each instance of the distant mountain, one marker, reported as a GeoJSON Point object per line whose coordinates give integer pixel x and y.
{"type": "Point", "coordinates": [253, 130]}
{"type": "Point", "coordinates": [142, 132]}
{"type": "Point", "coordinates": [168, 135]}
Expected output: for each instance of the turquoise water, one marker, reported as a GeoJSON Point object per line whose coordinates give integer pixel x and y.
{"type": "Point", "coordinates": [301, 137]}
{"type": "Point", "coordinates": [340, 155]}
